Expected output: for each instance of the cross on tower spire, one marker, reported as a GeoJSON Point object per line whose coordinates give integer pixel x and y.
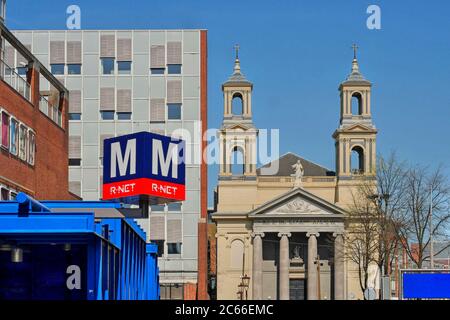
{"type": "Point", "coordinates": [237, 47]}
{"type": "Point", "coordinates": [355, 49]}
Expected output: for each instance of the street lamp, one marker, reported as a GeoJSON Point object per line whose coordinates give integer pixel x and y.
{"type": "Point", "coordinates": [243, 287]}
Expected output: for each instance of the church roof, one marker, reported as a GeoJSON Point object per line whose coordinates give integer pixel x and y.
{"type": "Point", "coordinates": [286, 161]}
{"type": "Point", "coordinates": [237, 78]}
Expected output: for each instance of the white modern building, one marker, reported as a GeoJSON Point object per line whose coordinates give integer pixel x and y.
{"type": "Point", "coordinates": [125, 81]}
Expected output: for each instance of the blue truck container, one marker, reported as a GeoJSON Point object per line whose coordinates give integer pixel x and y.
{"type": "Point", "coordinates": [74, 250]}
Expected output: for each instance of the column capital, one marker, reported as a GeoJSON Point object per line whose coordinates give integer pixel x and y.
{"type": "Point", "coordinates": [257, 234]}
{"type": "Point", "coordinates": [315, 234]}
{"type": "Point", "coordinates": [287, 234]}
{"type": "Point", "coordinates": [218, 235]}
{"type": "Point", "coordinates": [338, 234]}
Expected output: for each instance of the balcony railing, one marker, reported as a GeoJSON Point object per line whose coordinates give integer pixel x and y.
{"type": "Point", "coordinates": [11, 77]}
{"type": "Point", "coordinates": [52, 112]}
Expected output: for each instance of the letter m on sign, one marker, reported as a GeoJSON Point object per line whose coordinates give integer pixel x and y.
{"type": "Point", "coordinates": [125, 160]}
{"type": "Point", "coordinates": [165, 162]}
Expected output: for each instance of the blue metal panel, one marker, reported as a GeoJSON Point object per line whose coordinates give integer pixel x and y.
{"type": "Point", "coordinates": [76, 223]}
{"type": "Point", "coordinates": [136, 271]}
{"type": "Point", "coordinates": [92, 274]}
{"type": "Point", "coordinates": [152, 272]}
{"type": "Point", "coordinates": [136, 228]}
{"type": "Point", "coordinates": [426, 285]}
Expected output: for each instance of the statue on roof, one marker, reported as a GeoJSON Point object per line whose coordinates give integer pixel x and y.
{"type": "Point", "coordinates": [298, 173]}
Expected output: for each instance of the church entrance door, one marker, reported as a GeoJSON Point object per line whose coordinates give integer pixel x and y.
{"type": "Point", "coordinates": [297, 289]}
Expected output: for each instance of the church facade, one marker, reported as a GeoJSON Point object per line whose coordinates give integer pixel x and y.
{"type": "Point", "coordinates": [283, 230]}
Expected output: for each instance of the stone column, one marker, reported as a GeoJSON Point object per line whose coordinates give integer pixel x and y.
{"type": "Point", "coordinates": [257, 265]}
{"type": "Point", "coordinates": [312, 267]}
{"type": "Point", "coordinates": [339, 274]}
{"type": "Point", "coordinates": [284, 265]}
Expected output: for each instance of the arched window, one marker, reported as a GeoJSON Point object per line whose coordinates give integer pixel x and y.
{"type": "Point", "coordinates": [237, 254]}
{"type": "Point", "coordinates": [357, 108]}
{"type": "Point", "coordinates": [237, 161]}
{"type": "Point", "coordinates": [237, 105]}
{"type": "Point", "coordinates": [357, 160]}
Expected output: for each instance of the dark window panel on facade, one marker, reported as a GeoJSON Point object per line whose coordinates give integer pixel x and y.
{"type": "Point", "coordinates": [107, 65]}
{"type": "Point", "coordinates": [174, 111]}
{"type": "Point", "coordinates": [124, 67]}
{"type": "Point", "coordinates": [57, 69]}
{"type": "Point", "coordinates": [174, 68]}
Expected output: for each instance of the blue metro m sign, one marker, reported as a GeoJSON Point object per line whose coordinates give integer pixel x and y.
{"type": "Point", "coordinates": [144, 163]}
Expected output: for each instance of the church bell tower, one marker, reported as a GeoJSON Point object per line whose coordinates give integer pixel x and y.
{"type": "Point", "coordinates": [355, 138]}
{"type": "Point", "coordinates": [238, 135]}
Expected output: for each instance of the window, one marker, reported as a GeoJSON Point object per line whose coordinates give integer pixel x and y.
{"type": "Point", "coordinates": [23, 142]}
{"type": "Point", "coordinates": [22, 71]}
{"type": "Point", "coordinates": [157, 70]}
{"type": "Point", "coordinates": [107, 65]}
{"type": "Point", "coordinates": [74, 68]}
{"type": "Point", "coordinates": [157, 110]}
{"type": "Point", "coordinates": [172, 291]}
{"type": "Point", "coordinates": [157, 207]}
{"type": "Point", "coordinates": [74, 116]}
{"type": "Point", "coordinates": [107, 115]}
{"type": "Point", "coordinates": [174, 206]}
{"type": "Point", "coordinates": [5, 130]}
{"type": "Point", "coordinates": [237, 106]}
{"type": "Point", "coordinates": [74, 162]}
{"type": "Point", "coordinates": [237, 161]}
{"type": "Point", "coordinates": [356, 104]}
{"type": "Point", "coordinates": [160, 244]}
{"type": "Point", "coordinates": [124, 67]}
{"type": "Point", "coordinates": [14, 133]}
{"type": "Point", "coordinates": [57, 69]}
{"type": "Point", "coordinates": [12, 195]}
{"type": "Point", "coordinates": [174, 68]}
{"type": "Point", "coordinates": [174, 111]}
{"type": "Point", "coordinates": [4, 194]}
{"type": "Point", "coordinates": [174, 248]}
{"type": "Point", "coordinates": [2, 9]}
{"type": "Point", "coordinates": [357, 160]}
{"type": "Point", "coordinates": [32, 147]}
{"type": "Point", "coordinates": [123, 115]}
{"type": "Point", "coordinates": [59, 119]}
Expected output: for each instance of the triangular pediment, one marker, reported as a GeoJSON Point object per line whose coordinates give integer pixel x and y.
{"type": "Point", "coordinates": [297, 202]}
{"type": "Point", "coordinates": [298, 205]}
{"type": "Point", "coordinates": [359, 127]}
{"type": "Point", "coordinates": [238, 127]}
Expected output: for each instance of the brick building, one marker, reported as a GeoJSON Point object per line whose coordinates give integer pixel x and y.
{"type": "Point", "coordinates": [34, 124]}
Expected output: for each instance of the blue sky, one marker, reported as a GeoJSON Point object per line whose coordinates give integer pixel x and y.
{"type": "Point", "coordinates": [297, 53]}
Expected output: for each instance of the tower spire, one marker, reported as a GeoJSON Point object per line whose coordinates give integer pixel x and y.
{"type": "Point", "coordinates": [237, 64]}
{"type": "Point", "coordinates": [355, 74]}
{"type": "Point", "coordinates": [355, 65]}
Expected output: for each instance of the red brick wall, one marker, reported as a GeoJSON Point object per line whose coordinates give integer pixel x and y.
{"type": "Point", "coordinates": [190, 291]}
{"type": "Point", "coordinates": [202, 292]}
{"type": "Point", "coordinates": [48, 178]}
{"type": "Point", "coordinates": [212, 230]}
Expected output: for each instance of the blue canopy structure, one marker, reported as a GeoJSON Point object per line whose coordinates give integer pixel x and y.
{"type": "Point", "coordinates": [74, 250]}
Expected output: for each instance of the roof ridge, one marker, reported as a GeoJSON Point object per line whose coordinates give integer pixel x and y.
{"type": "Point", "coordinates": [298, 156]}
